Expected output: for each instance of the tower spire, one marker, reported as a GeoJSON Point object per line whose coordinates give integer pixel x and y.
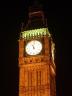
{"type": "Point", "coordinates": [35, 6]}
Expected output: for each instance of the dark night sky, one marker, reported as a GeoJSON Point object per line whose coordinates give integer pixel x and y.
{"type": "Point", "coordinates": [59, 18]}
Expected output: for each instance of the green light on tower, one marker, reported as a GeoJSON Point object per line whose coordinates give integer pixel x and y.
{"type": "Point", "coordinates": [35, 32]}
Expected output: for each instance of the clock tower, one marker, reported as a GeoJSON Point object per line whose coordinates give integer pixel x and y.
{"type": "Point", "coordinates": [37, 68]}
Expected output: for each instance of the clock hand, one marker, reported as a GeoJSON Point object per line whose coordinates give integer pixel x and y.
{"type": "Point", "coordinates": [33, 47]}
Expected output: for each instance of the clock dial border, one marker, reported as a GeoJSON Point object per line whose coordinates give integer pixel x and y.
{"type": "Point", "coordinates": [27, 41]}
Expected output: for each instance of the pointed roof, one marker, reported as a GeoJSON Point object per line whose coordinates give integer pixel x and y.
{"type": "Point", "coordinates": [36, 16]}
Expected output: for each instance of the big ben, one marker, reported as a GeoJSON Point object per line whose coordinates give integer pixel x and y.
{"type": "Point", "coordinates": [37, 69]}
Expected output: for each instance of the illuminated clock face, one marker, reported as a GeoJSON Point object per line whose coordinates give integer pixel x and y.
{"type": "Point", "coordinates": [33, 47]}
